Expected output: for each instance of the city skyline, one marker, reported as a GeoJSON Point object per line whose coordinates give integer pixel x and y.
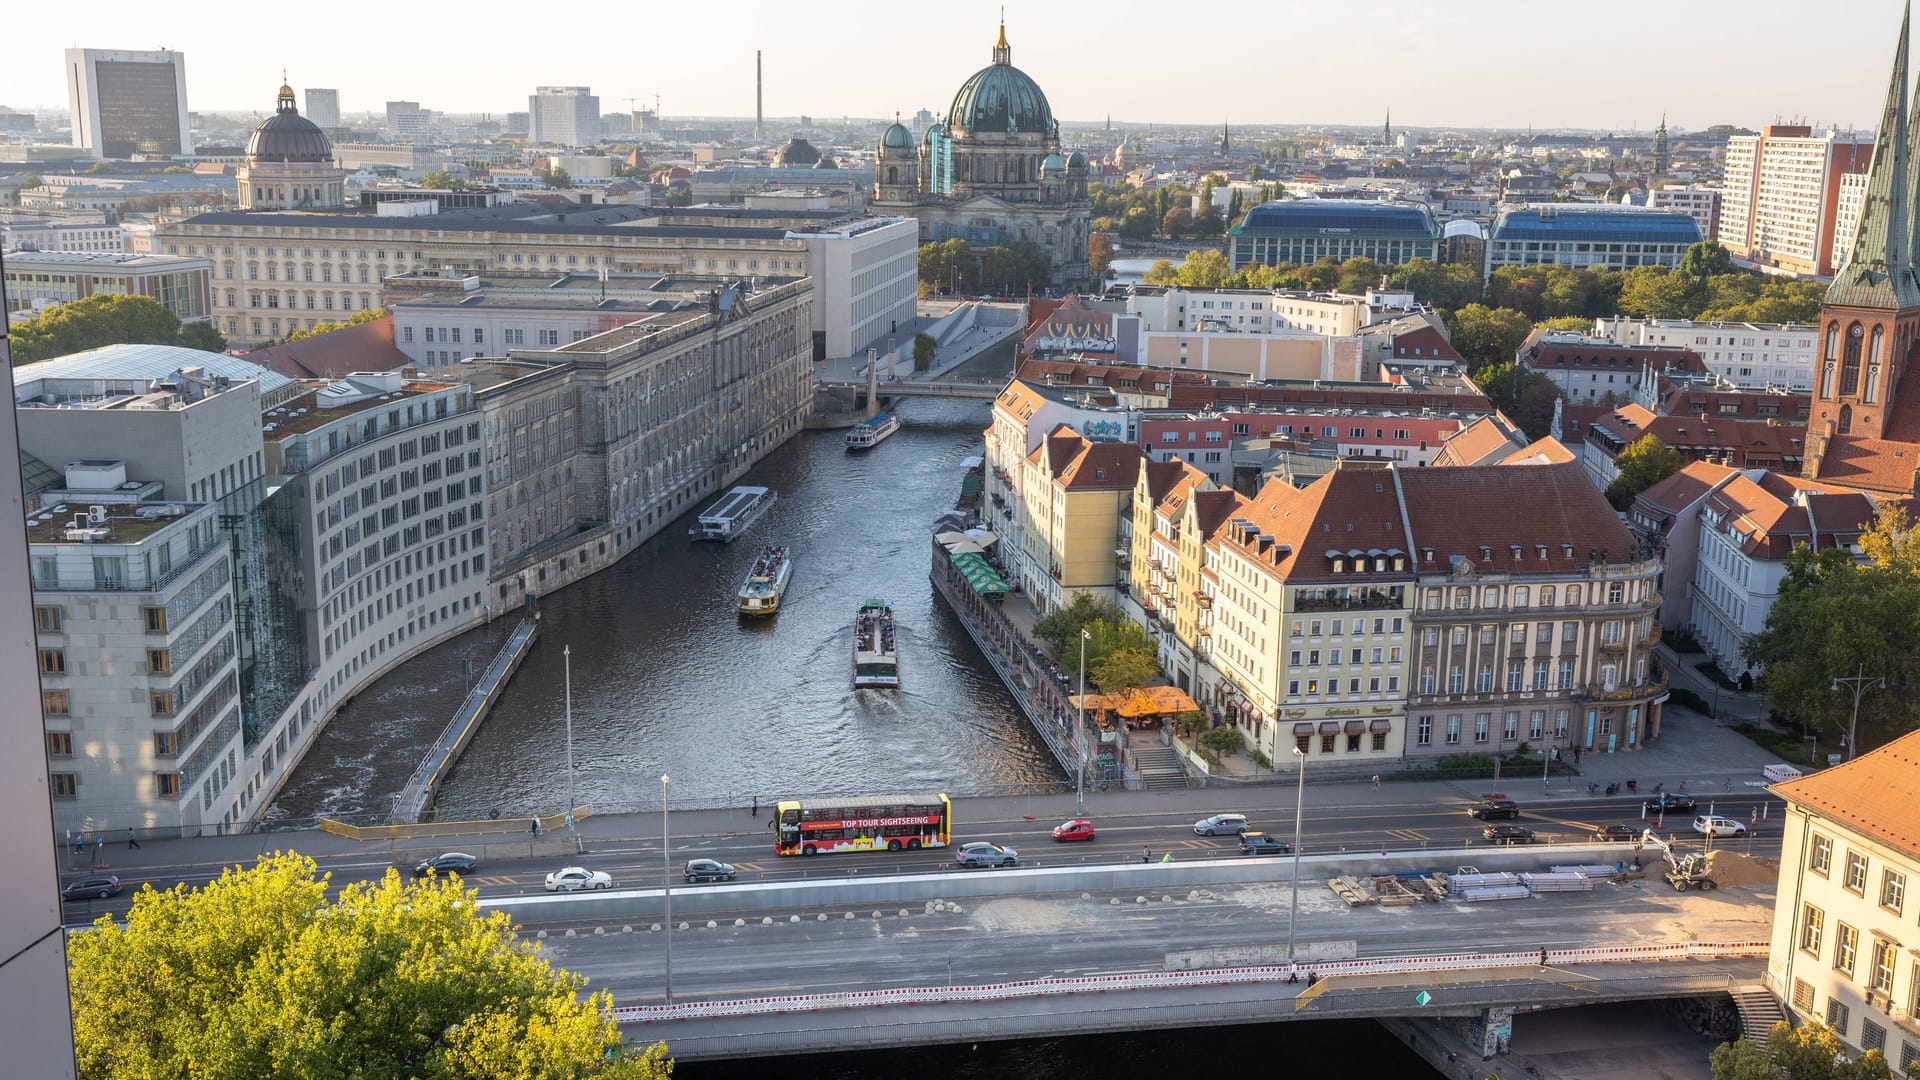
{"type": "Point", "coordinates": [1417, 57]}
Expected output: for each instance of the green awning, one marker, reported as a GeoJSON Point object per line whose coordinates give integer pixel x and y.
{"type": "Point", "coordinates": [979, 573]}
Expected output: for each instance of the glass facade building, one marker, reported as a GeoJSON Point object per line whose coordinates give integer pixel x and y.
{"type": "Point", "coordinates": [1304, 231]}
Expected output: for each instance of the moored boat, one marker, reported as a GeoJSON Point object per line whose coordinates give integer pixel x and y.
{"type": "Point", "coordinates": [876, 648]}
{"type": "Point", "coordinates": [733, 513]}
{"type": "Point", "coordinates": [760, 594]}
{"type": "Point", "coordinates": [868, 433]}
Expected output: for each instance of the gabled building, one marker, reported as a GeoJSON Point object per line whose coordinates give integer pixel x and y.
{"type": "Point", "coordinates": [1666, 517]}
{"type": "Point", "coordinates": [1074, 496]}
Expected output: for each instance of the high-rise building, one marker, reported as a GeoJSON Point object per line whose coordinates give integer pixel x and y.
{"type": "Point", "coordinates": [125, 103]}
{"type": "Point", "coordinates": [323, 107]}
{"type": "Point", "coordinates": [564, 116]}
{"type": "Point", "coordinates": [407, 119]}
{"type": "Point", "coordinates": [1782, 193]}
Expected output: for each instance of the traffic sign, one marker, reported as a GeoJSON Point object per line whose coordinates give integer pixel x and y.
{"type": "Point", "coordinates": [1422, 998]}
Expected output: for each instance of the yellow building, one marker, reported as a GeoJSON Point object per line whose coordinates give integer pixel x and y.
{"type": "Point", "coordinates": [1073, 497]}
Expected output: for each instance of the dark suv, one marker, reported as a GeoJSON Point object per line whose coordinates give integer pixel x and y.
{"type": "Point", "coordinates": [1488, 809]}
{"type": "Point", "coordinates": [1259, 843]}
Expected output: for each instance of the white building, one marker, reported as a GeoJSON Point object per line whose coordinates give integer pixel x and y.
{"type": "Point", "coordinates": [323, 107]}
{"type": "Point", "coordinates": [139, 670]}
{"type": "Point", "coordinates": [1252, 311]}
{"type": "Point", "coordinates": [865, 284]}
{"type": "Point", "coordinates": [60, 231]}
{"type": "Point", "coordinates": [563, 116]}
{"type": "Point", "coordinates": [1842, 944]}
{"type": "Point", "coordinates": [1780, 195]}
{"type": "Point", "coordinates": [125, 103]}
{"type": "Point", "coordinates": [1697, 201]}
{"type": "Point", "coordinates": [1846, 216]}
{"type": "Point", "coordinates": [1745, 354]}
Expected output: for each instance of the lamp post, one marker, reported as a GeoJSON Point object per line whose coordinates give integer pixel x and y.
{"type": "Point", "coordinates": [566, 655]}
{"type": "Point", "coordinates": [1859, 684]}
{"type": "Point", "coordinates": [1080, 735]}
{"type": "Point", "coordinates": [666, 866]}
{"type": "Point", "coordinates": [1299, 803]}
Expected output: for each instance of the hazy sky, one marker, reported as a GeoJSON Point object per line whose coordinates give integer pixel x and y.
{"type": "Point", "coordinates": [1616, 65]}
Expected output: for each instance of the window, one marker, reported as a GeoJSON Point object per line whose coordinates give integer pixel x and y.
{"type": "Point", "coordinates": [1537, 724]}
{"type": "Point", "coordinates": [1820, 855]}
{"type": "Point", "coordinates": [53, 661]}
{"type": "Point", "coordinates": [1846, 948]}
{"type": "Point", "coordinates": [1453, 729]}
{"type": "Point", "coordinates": [166, 743]}
{"type": "Point", "coordinates": [159, 661]}
{"type": "Point", "coordinates": [1856, 872]}
{"type": "Point", "coordinates": [46, 620]}
{"type": "Point", "coordinates": [1424, 735]}
{"type": "Point", "coordinates": [1540, 674]}
{"type": "Point", "coordinates": [1885, 955]}
{"type": "Point", "coordinates": [1570, 632]}
{"type": "Point", "coordinates": [1485, 682]}
{"type": "Point", "coordinates": [65, 785]}
{"type": "Point", "coordinates": [1482, 725]}
{"type": "Point", "coordinates": [1430, 636]}
{"type": "Point", "coordinates": [1813, 923]}
{"type": "Point", "coordinates": [156, 619]}
{"type": "Point", "coordinates": [54, 702]}
{"type": "Point", "coordinates": [162, 702]}
{"type": "Point", "coordinates": [1426, 680]}
{"type": "Point", "coordinates": [1566, 674]}
{"type": "Point", "coordinates": [1456, 681]}
{"type": "Point", "coordinates": [1803, 995]}
{"type": "Point", "coordinates": [1893, 890]}
{"type": "Point", "coordinates": [166, 785]}
{"type": "Point", "coordinates": [1872, 1035]}
{"type": "Point", "coordinates": [1516, 674]}
{"type": "Point", "coordinates": [59, 744]}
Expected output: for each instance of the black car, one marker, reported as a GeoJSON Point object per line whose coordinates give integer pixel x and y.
{"type": "Point", "coordinates": [1259, 843]}
{"type": "Point", "coordinates": [1615, 833]}
{"type": "Point", "coordinates": [1509, 834]}
{"type": "Point", "coordinates": [1669, 803]}
{"type": "Point", "coordinates": [708, 870]}
{"type": "Point", "coordinates": [92, 888]}
{"type": "Point", "coordinates": [449, 863]}
{"type": "Point", "coordinates": [1488, 809]}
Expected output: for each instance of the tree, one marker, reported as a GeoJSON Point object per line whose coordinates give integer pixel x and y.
{"type": "Point", "coordinates": [923, 349]}
{"type": "Point", "coordinates": [1812, 1052]}
{"type": "Point", "coordinates": [365, 315]}
{"type": "Point", "coordinates": [88, 323]}
{"type": "Point", "coordinates": [947, 265]}
{"type": "Point", "coordinates": [1524, 395]}
{"type": "Point", "coordinates": [202, 335]}
{"type": "Point", "coordinates": [31, 180]}
{"type": "Point", "coordinates": [557, 178]}
{"type": "Point", "coordinates": [1224, 740]}
{"type": "Point", "coordinates": [1209, 222]}
{"type": "Point", "coordinates": [1177, 223]}
{"type": "Point", "coordinates": [1123, 670]}
{"type": "Point", "coordinates": [1577, 324]}
{"type": "Point", "coordinates": [442, 180]}
{"type": "Point", "coordinates": [258, 974]}
{"type": "Point", "coordinates": [1099, 255]}
{"type": "Point", "coordinates": [1704, 260]}
{"type": "Point", "coordinates": [1136, 224]}
{"type": "Point", "coordinates": [1357, 275]}
{"type": "Point", "coordinates": [1061, 626]}
{"type": "Point", "coordinates": [1162, 272]}
{"type": "Point", "coordinates": [1204, 269]}
{"type": "Point", "coordinates": [1447, 286]}
{"type": "Point", "coordinates": [1484, 335]}
{"type": "Point", "coordinates": [1654, 292]}
{"type": "Point", "coordinates": [1644, 463]}
{"type": "Point", "coordinates": [101, 168]}
{"type": "Point", "coordinates": [1323, 275]}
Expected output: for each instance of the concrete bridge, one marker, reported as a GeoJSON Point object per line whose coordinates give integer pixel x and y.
{"type": "Point", "coordinates": [983, 389]}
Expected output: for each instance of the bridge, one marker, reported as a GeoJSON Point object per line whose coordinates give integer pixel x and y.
{"type": "Point", "coordinates": [413, 801]}
{"type": "Point", "coordinates": [982, 389]}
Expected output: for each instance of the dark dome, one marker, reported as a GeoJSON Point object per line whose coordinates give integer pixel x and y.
{"type": "Point", "coordinates": [288, 137]}
{"type": "Point", "coordinates": [826, 162]}
{"type": "Point", "coordinates": [1001, 98]}
{"type": "Point", "coordinates": [797, 154]}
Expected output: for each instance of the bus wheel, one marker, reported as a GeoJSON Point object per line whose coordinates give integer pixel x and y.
{"type": "Point", "coordinates": [809, 850]}
{"type": "Point", "coordinates": [913, 844]}
{"type": "Point", "coordinates": [893, 845]}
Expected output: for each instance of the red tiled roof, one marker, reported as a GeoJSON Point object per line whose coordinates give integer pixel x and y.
{"type": "Point", "coordinates": [1429, 342]}
{"type": "Point", "coordinates": [1103, 466]}
{"type": "Point", "coordinates": [367, 347]}
{"type": "Point", "coordinates": [1548, 355]}
{"type": "Point", "coordinates": [1871, 464]}
{"type": "Point", "coordinates": [1485, 438]}
{"type": "Point", "coordinates": [1550, 509]}
{"type": "Point", "coordinates": [1199, 395]}
{"type": "Point", "coordinates": [1684, 488]}
{"type": "Point", "coordinates": [1543, 451]}
{"type": "Point", "coordinates": [1348, 510]}
{"type": "Point", "coordinates": [1873, 795]}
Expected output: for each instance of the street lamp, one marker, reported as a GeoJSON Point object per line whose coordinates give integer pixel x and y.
{"type": "Point", "coordinates": [1299, 803]}
{"type": "Point", "coordinates": [666, 866]}
{"type": "Point", "coordinates": [1080, 734]}
{"type": "Point", "coordinates": [1859, 683]}
{"type": "Point", "coordinates": [566, 655]}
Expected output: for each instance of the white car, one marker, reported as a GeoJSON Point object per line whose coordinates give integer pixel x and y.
{"type": "Point", "coordinates": [573, 878]}
{"type": "Point", "coordinates": [1710, 825]}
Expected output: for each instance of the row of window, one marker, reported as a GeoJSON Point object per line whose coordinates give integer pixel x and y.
{"type": "Point", "coordinates": [1509, 730]}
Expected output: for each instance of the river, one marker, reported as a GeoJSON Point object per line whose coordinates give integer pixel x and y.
{"type": "Point", "coordinates": [666, 679]}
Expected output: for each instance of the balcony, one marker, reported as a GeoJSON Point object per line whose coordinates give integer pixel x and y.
{"type": "Point", "coordinates": [1205, 600]}
{"type": "Point", "coordinates": [1652, 637]}
{"type": "Point", "coordinates": [1595, 692]}
{"type": "Point", "coordinates": [1614, 646]}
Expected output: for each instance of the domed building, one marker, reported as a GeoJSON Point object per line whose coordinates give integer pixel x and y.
{"type": "Point", "coordinates": [289, 164]}
{"type": "Point", "coordinates": [797, 154]}
{"type": "Point", "coordinates": [992, 171]}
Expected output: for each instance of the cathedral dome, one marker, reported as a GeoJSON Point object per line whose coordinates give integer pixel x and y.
{"type": "Point", "coordinates": [896, 137]}
{"type": "Point", "coordinates": [1077, 160]}
{"type": "Point", "coordinates": [797, 154]}
{"type": "Point", "coordinates": [1053, 164]}
{"type": "Point", "coordinates": [1001, 98]}
{"type": "Point", "coordinates": [826, 162]}
{"type": "Point", "coordinates": [287, 137]}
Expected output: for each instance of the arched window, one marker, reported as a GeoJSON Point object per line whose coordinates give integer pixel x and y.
{"type": "Point", "coordinates": [1833, 341]}
{"type": "Point", "coordinates": [1872, 391]}
{"type": "Point", "coordinates": [1846, 419]}
{"type": "Point", "coordinates": [1850, 362]}
{"type": "Point", "coordinates": [893, 174]}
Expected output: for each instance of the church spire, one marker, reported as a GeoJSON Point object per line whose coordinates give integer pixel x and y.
{"type": "Point", "coordinates": [1879, 272]}
{"type": "Point", "coordinates": [1002, 52]}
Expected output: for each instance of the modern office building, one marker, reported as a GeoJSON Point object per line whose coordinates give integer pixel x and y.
{"type": "Point", "coordinates": [323, 107]}
{"type": "Point", "coordinates": [1303, 231]}
{"type": "Point", "coordinates": [563, 116]}
{"type": "Point", "coordinates": [1781, 193]}
{"type": "Point", "coordinates": [1698, 201]}
{"type": "Point", "coordinates": [38, 280]}
{"type": "Point", "coordinates": [407, 121]}
{"type": "Point", "coordinates": [125, 103]}
{"type": "Point", "coordinates": [1590, 236]}
{"type": "Point", "coordinates": [1744, 354]}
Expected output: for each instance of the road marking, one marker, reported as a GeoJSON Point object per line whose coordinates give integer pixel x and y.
{"type": "Point", "coordinates": [1408, 834]}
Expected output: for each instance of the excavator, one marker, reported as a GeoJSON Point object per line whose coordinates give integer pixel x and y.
{"type": "Point", "coordinates": [1684, 870]}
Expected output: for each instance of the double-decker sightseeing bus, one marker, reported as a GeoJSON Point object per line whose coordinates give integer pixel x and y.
{"type": "Point", "coordinates": [871, 823]}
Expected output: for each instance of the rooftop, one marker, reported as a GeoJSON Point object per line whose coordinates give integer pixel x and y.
{"type": "Point", "coordinates": [521, 217]}
{"type": "Point", "coordinates": [134, 362]}
{"type": "Point", "coordinates": [50, 526]}
{"type": "Point", "coordinates": [1606, 223]}
{"type": "Point", "coordinates": [124, 260]}
{"type": "Point", "coordinates": [1873, 795]}
{"type": "Point", "coordinates": [308, 412]}
{"type": "Point", "coordinates": [1344, 217]}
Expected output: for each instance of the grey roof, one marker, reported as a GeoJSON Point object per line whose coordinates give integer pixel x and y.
{"type": "Point", "coordinates": [145, 362]}
{"type": "Point", "coordinates": [1879, 272]}
{"type": "Point", "coordinates": [514, 218]}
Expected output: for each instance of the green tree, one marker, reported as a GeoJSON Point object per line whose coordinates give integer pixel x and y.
{"type": "Point", "coordinates": [258, 974]}
{"type": "Point", "coordinates": [1578, 324]}
{"type": "Point", "coordinates": [1224, 740]}
{"type": "Point", "coordinates": [1123, 670]}
{"type": "Point", "coordinates": [1524, 395]}
{"type": "Point", "coordinates": [1484, 335]}
{"type": "Point", "coordinates": [1203, 269]}
{"type": "Point", "coordinates": [1176, 224]}
{"type": "Point", "coordinates": [1209, 223]}
{"type": "Point", "coordinates": [1704, 260]}
{"type": "Point", "coordinates": [947, 265]}
{"type": "Point", "coordinates": [557, 178]}
{"type": "Point", "coordinates": [1011, 269]}
{"type": "Point", "coordinates": [102, 168]}
{"type": "Point", "coordinates": [1812, 1052]}
{"type": "Point", "coordinates": [365, 315]}
{"type": "Point", "coordinates": [31, 180]}
{"type": "Point", "coordinates": [202, 335]}
{"type": "Point", "coordinates": [1357, 275]}
{"type": "Point", "coordinates": [1655, 292]}
{"type": "Point", "coordinates": [1061, 627]}
{"type": "Point", "coordinates": [442, 180]}
{"type": "Point", "coordinates": [1099, 255]}
{"type": "Point", "coordinates": [1136, 223]}
{"type": "Point", "coordinates": [1447, 286]}
{"type": "Point", "coordinates": [1162, 272]}
{"type": "Point", "coordinates": [89, 323]}
{"type": "Point", "coordinates": [923, 349]}
{"type": "Point", "coordinates": [1644, 463]}
{"type": "Point", "coordinates": [1323, 275]}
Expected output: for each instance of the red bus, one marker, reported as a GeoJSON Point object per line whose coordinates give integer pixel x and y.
{"type": "Point", "coordinates": [871, 823]}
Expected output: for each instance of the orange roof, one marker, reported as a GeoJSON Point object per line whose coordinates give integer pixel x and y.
{"type": "Point", "coordinates": [337, 353]}
{"type": "Point", "coordinates": [1546, 451]}
{"type": "Point", "coordinates": [1871, 464]}
{"type": "Point", "coordinates": [1347, 511]}
{"type": "Point", "coordinates": [1102, 466]}
{"type": "Point", "coordinates": [1554, 518]}
{"type": "Point", "coordinates": [1474, 444]}
{"type": "Point", "coordinates": [1686, 487]}
{"type": "Point", "coordinates": [1873, 795]}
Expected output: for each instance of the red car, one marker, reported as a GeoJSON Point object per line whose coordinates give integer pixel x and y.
{"type": "Point", "coordinates": [1077, 829]}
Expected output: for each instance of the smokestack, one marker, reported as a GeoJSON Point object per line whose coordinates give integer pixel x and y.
{"type": "Point", "coordinates": [757, 86]}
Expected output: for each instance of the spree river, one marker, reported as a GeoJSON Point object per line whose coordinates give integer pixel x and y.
{"type": "Point", "coordinates": [666, 678]}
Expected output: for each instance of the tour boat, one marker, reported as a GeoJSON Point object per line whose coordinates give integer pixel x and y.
{"type": "Point", "coordinates": [760, 593]}
{"type": "Point", "coordinates": [876, 649]}
{"type": "Point", "coordinates": [868, 433]}
{"type": "Point", "coordinates": [736, 510]}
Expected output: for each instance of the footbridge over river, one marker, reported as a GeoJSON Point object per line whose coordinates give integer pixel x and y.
{"type": "Point", "coordinates": [982, 389]}
{"type": "Point", "coordinates": [875, 959]}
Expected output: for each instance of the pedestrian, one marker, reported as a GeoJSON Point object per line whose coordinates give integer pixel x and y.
{"type": "Point", "coordinates": [1146, 855]}
{"type": "Point", "coordinates": [1543, 957]}
{"type": "Point", "coordinates": [536, 827]}
{"type": "Point", "coordinates": [100, 847]}
{"type": "Point", "coordinates": [1376, 781]}
{"type": "Point", "coordinates": [133, 842]}
{"type": "Point", "coordinates": [80, 843]}
{"type": "Point", "coordinates": [1756, 815]}
{"type": "Point", "coordinates": [1312, 978]}
{"type": "Point", "coordinates": [756, 806]}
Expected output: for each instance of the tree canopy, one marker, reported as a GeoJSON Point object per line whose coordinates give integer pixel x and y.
{"type": "Point", "coordinates": [1484, 335]}
{"type": "Point", "coordinates": [364, 315]}
{"type": "Point", "coordinates": [1123, 669]}
{"type": "Point", "coordinates": [1524, 395]}
{"type": "Point", "coordinates": [257, 974]}
{"type": "Point", "coordinates": [1109, 632]}
{"type": "Point", "coordinates": [106, 319]}
{"type": "Point", "coordinates": [1812, 1052]}
{"type": "Point", "coordinates": [1644, 463]}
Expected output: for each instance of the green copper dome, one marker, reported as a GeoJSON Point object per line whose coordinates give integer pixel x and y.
{"type": "Point", "coordinates": [1053, 164]}
{"type": "Point", "coordinates": [896, 137]}
{"type": "Point", "coordinates": [1001, 98]}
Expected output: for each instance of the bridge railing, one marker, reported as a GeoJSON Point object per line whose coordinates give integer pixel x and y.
{"type": "Point", "coordinates": [1172, 980]}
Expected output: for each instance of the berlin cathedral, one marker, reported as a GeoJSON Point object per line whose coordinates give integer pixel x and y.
{"type": "Point", "coordinates": [991, 172]}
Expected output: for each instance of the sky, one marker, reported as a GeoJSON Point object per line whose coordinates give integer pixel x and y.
{"type": "Point", "coordinates": [1615, 66]}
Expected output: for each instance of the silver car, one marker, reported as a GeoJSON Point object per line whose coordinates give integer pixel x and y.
{"type": "Point", "coordinates": [981, 853]}
{"type": "Point", "coordinates": [574, 878]}
{"type": "Point", "coordinates": [1221, 823]}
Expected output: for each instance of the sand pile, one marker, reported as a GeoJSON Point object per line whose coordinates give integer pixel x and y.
{"type": "Point", "coordinates": [1735, 869]}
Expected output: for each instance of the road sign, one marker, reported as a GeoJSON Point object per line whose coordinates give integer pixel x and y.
{"type": "Point", "coordinates": [1422, 998]}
